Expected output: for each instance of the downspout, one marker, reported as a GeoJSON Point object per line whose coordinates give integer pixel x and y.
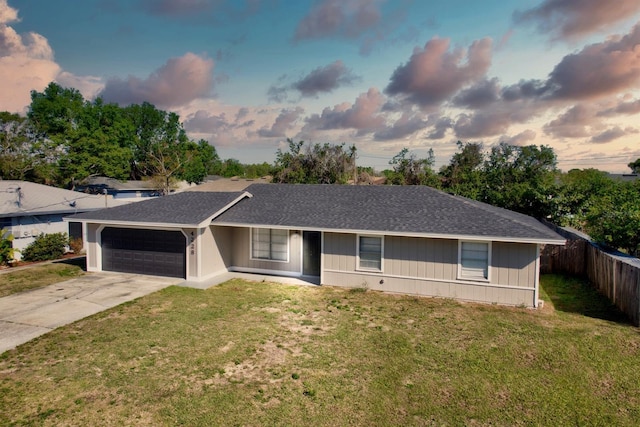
{"type": "Point", "coordinates": [536, 291]}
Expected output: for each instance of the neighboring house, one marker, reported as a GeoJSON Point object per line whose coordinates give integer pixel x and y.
{"type": "Point", "coordinates": [228, 184]}
{"type": "Point", "coordinates": [28, 209]}
{"type": "Point", "coordinates": [123, 189]}
{"type": "Point", "coordinates": [625, 177]}
{"type": "Point", "coordinates": [406, 239]}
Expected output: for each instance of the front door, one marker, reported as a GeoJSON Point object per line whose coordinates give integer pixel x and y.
{"type": "Point", "coordinates": [311, 253]}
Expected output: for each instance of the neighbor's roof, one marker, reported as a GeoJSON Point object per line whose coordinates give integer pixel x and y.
{"type": "Point", "coordinates": [228, 184]}
{"type": "Point", "coordinates": [181, 209]}
{"type": "Point", "coordinates": [23, 198]}
{"type": "Point", "coordinates": [403, 210]}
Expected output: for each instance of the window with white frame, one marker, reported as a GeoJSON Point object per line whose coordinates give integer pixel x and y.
{"type": "Point", "coordinates": [370, 253]}
{"type": "Point", "coordinates": [474, 260]}
{"type": "Point", "coordinates": [269, 244]}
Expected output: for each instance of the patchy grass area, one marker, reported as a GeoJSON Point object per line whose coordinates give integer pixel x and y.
{"type": "Point", "coordinates": [12, 282]}
{"type": "Point", "coordinates": [248, 353]}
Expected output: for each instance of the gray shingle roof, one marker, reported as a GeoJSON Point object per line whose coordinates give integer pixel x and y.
{"type": "Point", "coordinates": [22, 198]}
{"type": "Point", "coordinates": [396, 209]}
{"type": "Point", "coordinates": [182, 208]}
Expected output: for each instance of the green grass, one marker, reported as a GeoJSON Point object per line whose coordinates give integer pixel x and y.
{"type": "Point", "coordinates": [248, 353]}
{"type": "Point", "coordinates": [36, 277]}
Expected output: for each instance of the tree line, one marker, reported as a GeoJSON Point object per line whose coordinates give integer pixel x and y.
{"type": "Point", "coordinates": [520, 178]}
{"type": "Point", "coordinates": [65, 139]}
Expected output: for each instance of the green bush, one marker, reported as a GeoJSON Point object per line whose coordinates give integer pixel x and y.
{"type": "Point", "coordinates": [6, 247]}
{"type": "Point", "coordinates": [45, 247]}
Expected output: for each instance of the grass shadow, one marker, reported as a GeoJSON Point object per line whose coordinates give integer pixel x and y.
{"type": "Point", "coordinates": [575, 295]}
{"type": "Point", "coordinates": [80, 261]}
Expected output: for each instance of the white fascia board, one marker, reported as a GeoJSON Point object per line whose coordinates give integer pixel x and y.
{"type": "Point", "coordinates": [133, 224]}
{"type": "Point", "coordinates": [401, 234]}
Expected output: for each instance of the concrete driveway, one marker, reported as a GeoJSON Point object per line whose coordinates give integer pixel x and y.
{"type": "Point", "coordinates": [27, 315]}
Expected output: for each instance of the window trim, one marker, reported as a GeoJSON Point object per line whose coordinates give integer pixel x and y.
{"type": "Point", "coordinates": [358, 266]}
{"type": "Point", "coordinates": [252, 258]}
{"type": "Point", "coordinates": [489, 251]}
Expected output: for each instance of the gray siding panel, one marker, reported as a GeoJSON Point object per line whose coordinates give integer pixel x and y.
{"type": "Point", "coordinates": [513, 264]}
{"type": "Point", "coordinates": [92, 249]}
{"type": "Point", "coordinates": [429, 267]}
{"type": "Point", "coordinates": [215, 243]}
{"type": "Point", "coordinates": [241, 253]}
{"type": "Point", "coordinates": [423, 258]}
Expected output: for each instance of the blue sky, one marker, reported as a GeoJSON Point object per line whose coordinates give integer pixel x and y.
{"type": "Point", "coordinates": [383, 75]}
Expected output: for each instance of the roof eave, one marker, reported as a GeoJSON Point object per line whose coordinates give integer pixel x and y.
{"type": "Point", "coordinates": [505, 239]}
{"type": "Point", "coordinates": [130, 224]}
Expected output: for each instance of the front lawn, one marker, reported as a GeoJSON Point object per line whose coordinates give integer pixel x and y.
{"type": "Point", "coordinates": [38, 276]}
{"type": "Point", "coordinates": [255, 353]}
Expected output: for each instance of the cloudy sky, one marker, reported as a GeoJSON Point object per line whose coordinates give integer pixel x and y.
{"type": "Point", "coordinates": [246, 75]}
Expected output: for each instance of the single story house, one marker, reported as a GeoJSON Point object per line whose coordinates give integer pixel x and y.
{"type": "Point", "coordinates": [405, 239]}
{"type": "Point", "coordinates": [28, 209]}
{"type": "Point", "coordinates": [126, 189]}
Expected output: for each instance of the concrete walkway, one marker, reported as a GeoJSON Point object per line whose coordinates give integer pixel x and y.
{"type": "Point", "coordinates": [30, 314]}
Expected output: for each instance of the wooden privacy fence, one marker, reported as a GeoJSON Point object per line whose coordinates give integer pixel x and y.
{"type": "Point", "coordinates": [614, 275]}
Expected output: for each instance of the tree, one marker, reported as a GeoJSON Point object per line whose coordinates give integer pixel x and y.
{"type": "Point", "coordinates": [231, 168]}
{"type": "Point", "coordinates": [410, 170]}
{"type": "Point", "coordinates": [201, 159]}
{"type": "Point", "coordinates": [99, 145]}
{"type": "Point", "coordinates": [166, 157]}
{"type": "Point", "coordinates": [149, 124]}
{"type": "Point", "coordinates": [463, 175]}
{"type": "Point", "coordinates": [257, 170]}
{"type": "Point", "coordinates": [315, 164]}
{"type": "Point", "coordinates": [578, 192]}
{"type": "Point", "coordinates": [6, 247]}
{"type": "Point", "coordinates": [635, 166]}
{"type": "Point", "coordinates": [615, 219]}
{"type": "Point", "coordinates": [16, 159]}
{"type": "Point", "coordinates": [521, 179]}
{"type": "Point", "coordinates": [53, 115]}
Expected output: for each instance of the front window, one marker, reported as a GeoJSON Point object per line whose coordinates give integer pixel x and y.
{"type": "Point", "coordinates": [474, 260]}
{"type": "Point", "coordinates": [370, 253]}
{"type": "Point", "coordinates": [269, 244]}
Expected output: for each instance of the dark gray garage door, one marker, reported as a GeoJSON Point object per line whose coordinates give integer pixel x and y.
{"type": "Point", "coordinates": [156, 252]}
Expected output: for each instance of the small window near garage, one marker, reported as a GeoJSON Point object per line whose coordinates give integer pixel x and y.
{"type": "Point", "coordinates": [474, 260]}
{"type": "Point", "coordinates": [370, 253]}
{"type": "Point", "coordinates": [270, 244]}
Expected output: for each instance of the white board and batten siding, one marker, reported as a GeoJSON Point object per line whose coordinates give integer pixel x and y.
{"type": "Point", "coordinates": [429, 267]}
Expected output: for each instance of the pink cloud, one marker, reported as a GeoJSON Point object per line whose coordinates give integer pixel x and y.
{"type": "Point", "coordinates": [612, 134]}
{"type": "Point", "coordinates": [26, 63]}
{"type": "Point", "coordinates": [177, 7]}
{"type": "Point", "coordinates": [521, 139]}
{"type": "Point", "coordinates": [623, 107]}
{"type": "Point", "coordinates": [598, 69]}
{"type": "Point", "coordinates": [345, 18]}
{"type": "Point", "coordinates": [283, 123]}
{"type": "Point", "coordinates": [481, 94]}
{"type": "Point", "coordinates": [434, 73]}
{"type": "Point", "coordinates": [176, 83]}
{"type": "Point", "coordinates": [325, 79]}
{"type": "Point", "coordinates": [321, 80]}
{"type": "Point", "coordinates": [408, 124]}
{"type": "Point", "coordinates": [363, 115]}
{"type": "Point", "coordinates": [573, 123]}
{"type": "Point", "coordinates": [575, 18]}
{"type": "Point", "coordinates": [7, 13]}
